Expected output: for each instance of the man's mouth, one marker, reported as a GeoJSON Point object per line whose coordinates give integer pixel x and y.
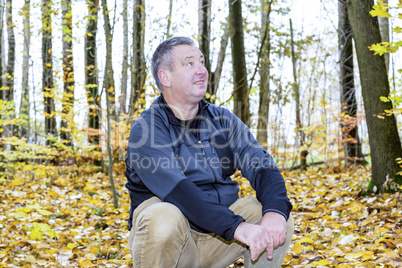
{"type": "Point", "coordinates": [199, 83]}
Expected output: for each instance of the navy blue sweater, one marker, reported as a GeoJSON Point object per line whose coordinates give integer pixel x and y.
{"type": "Point", "coordinates": [189, 164]}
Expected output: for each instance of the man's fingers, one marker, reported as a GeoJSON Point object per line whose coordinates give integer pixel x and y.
{"type": "Point", "coordinates": [270, 250]}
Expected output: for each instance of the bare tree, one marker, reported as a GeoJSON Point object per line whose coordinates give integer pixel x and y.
{"type": "Point", "coordinates": [204, 33]}
{"type": "Point", "coordinates": [108, 80]}
{"type": "Point", "coordinates": [296, 91]}
{"type": "Point", "coordinates": [240, 91]}
{"type": "Point", "coordinates": [24, 105]}
{"type": "Point", "coordinates": [385, 144]}
{"type": "Point", "coordinates": [123, 96]}
{"type": "Point", "coordinates": [263, 109]}
{"type": "Point", "coordinates": [350, 137]}
{"type": "Point", "coordinates": [169, 22]}
{"type": "Point", "coordinates": [138, 66]}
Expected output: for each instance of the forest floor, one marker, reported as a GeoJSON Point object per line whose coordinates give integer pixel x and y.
{"type": "Point", "coordinates": [69, 221]}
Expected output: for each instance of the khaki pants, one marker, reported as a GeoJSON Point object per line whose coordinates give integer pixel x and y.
{"type": "Point", "coordinates": [161, 237]}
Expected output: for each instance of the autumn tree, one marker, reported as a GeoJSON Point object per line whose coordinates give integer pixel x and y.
{"type": "Point", "coordinates": [350, 137]}
{"type": "Point", "coordinates": [385, 144]}
{"type": "Point", "coordinates": [91, 72]}
{"type": "Point", "coordinates": [68, 72]}
{"type": "Point", "coordinates": [24, 104]}
{"type": "Point", "coordinates": [384, 32]}
{"type": "Point", "coordinates": [138, 65]}
{"type": "Point", "coordinates": [47, 73]}
{"type": "Point", "coordinates": [240, 91]}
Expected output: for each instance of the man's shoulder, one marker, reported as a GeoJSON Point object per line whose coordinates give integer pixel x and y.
{"type": "Point", "coordinates": [152, 115]}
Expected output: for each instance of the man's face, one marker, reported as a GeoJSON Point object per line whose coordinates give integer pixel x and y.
{"type": "Point", "coordinates": [189, 79]}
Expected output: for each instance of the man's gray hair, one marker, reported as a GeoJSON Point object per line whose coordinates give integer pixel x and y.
{"type": "Point", "coordinates": [163, 58]}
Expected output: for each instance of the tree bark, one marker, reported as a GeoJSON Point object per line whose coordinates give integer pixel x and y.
{"type": "Point", "coordinates": [109, 73]}
{"type": "Point", "coordinates": [138, 66]}
{"type": "Point", "coordinates": [385, 145]}
{"type": "Point", "coordinates": [216, 75]}
{"type": "Point", "coordinates": [296, 91]}
{"type": "Point", "coordinates": [204, 33]}
{"type": "Point", "coordinates": [11, 52]}
{"type": "Point", "coordinates": [91, 75]}
{"type": "Point", "coordinates": [24, 104]}
{"type": "Point", "coordinates": [123, 96]}
{"type": "Point", "coordinates": [263, 109]}
{"type": "Point", "coordinates": [68, 73]}
{"type": "Point", "coordinates": [384, 31]}
{"type": "Point", "coordinates": [1, 51]}
{"type": "Point", "coordinates": [47, 75]}
{"type": "Point", "coordinates": [350, 138]}
{"type": "Point", "coordinates": [240, 94]}
{"type": "Point", "coordinates": [8, 91]}
{"type": "Point", "coordinates": [169, 22]}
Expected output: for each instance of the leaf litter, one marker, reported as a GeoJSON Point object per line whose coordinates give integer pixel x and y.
{"type": "Point", "coordinates": [70, 221]}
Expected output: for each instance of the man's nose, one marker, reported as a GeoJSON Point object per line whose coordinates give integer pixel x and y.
{"type": "Point", "coordinates": [202, 70]}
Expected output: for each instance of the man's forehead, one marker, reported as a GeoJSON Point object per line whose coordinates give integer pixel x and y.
{"type": "Point", "coordinates": [184, 52]}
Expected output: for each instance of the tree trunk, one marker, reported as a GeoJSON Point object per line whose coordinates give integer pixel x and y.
{"type": "Point", "coordinates": [263, 109]}
{"type": "Point", "coordinates": [68, 73]}
{"type": "Point", "coordinates": [385, 145]}
{"type": "Point", "coordinates": [138, 61]}
{"type": "Point", "coordinates": [350, 137]}
{"type": "Point", "coordinates": [109, 74]}
{"type": "Point", "coordinates": [296, 91]}
{"type": "Point", "coordinates": [204, 33]}
{"type": "Point", "coordinates": [123, 96]}
{"type": "Point", "coordinates": [8, 91]}
{"type": "Point", "coordinates": [384, 31]}
{"type": "Point", "coordinates": [240, 94]}
{"type": "Point", "coordinates": [47, 75]}
{"type": "Point", "coordinates": [91, 75]}
{"type": "Point", "coordinates": [11, 52]}
{"type": "Point", "coordinates": [24, 106]}
{"type": "Point", "coordinates": [168, 34]}
{"type": "Point", "coordinates": [2, 70]}
{"type": "Point", "coordinates": [216, 75]}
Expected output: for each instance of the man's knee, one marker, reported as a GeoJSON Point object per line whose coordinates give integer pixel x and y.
{"type": "Point", "coordinates": [163, 221]}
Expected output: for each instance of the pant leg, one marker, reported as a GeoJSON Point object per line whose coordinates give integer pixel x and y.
{"type": "Point", "coordinates": [216, 252]}
{"type": "Point", "coordinates": [160, 237]}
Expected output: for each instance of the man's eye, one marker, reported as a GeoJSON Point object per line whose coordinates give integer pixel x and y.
{"type": "Point", "coordinates": [190, 63]}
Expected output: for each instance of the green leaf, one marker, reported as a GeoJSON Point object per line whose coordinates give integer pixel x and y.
{"type": "Point", "coordinates": [380, 10]}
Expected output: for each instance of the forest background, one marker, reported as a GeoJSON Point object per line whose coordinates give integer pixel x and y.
{"type": "Point", "coordinates": [318, 83]}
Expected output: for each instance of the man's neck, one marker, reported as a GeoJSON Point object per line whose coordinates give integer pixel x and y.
{"type": "Point", "coordinates": [183, 111]}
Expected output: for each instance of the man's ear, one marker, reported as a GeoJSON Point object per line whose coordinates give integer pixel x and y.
{"type": "Point", "coordinates": [164, 77]}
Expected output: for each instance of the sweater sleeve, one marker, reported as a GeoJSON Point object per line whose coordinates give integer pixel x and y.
{"type": "Point", "coordinates": [149, 147]}
{"type": "Point", "coordinates": [258, 166]}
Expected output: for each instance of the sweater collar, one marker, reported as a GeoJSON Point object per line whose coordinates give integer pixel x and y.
{"type": "Point", "coordinates": [203, 105]}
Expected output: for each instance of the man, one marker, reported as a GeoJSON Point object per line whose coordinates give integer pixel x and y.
{"type": "Point", "coordinates": [185, 209]}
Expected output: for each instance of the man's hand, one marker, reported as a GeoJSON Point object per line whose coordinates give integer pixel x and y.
{"type": "Point", "coordinates": [254, 236]}
{"type": "Point", "coordinates": [275, 226]}
{"type": "Point", "coordinates": [268, 235]}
